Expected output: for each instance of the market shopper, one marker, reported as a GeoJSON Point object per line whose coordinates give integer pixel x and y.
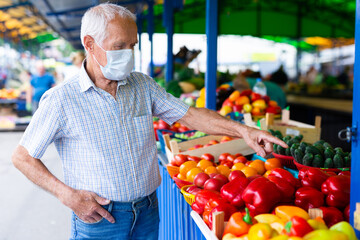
{"type": "Point", "coordinates": [39, 84]}
{"type": "Point", "coordinates": [101, 124]}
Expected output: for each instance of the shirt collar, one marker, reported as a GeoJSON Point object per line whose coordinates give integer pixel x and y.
{"type": "Point", "coordinates": [86, 83]}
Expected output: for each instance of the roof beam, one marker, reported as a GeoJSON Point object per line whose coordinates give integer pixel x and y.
{"type": "Point", "coordinates": [65, 12]}
{"type": "Point", "coordinates": [15, 5]}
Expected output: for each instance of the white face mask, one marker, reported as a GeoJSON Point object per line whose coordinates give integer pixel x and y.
{"type": "Point", "coordinates": [119, 65]}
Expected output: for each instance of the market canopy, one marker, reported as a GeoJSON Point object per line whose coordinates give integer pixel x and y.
{"type": "Point", "coordinates": [293, 19]}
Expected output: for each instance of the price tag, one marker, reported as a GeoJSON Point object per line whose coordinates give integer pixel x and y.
{"type": "Point", "coordinates": [293, 132]}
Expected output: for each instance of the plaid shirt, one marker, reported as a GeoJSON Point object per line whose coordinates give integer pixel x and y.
{"type": "Point", "coordinates": [107, 145]}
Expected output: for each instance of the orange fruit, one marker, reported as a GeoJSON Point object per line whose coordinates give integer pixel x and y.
{"type": "Point", "coordinates": [203, 164]}
{"type": "Point", "coordinates": [259, 166]}
{"type": "Point", "coordinates": [186, 166]}
{"type": "Point", "coordinates": [266, 174]}
{"type": "Point", "coordinates": [210, 170]}
{"type": "Point", "coordinates": [249, 171]}
{"type": "Point", "coordinates": [242, 100]}
{"type": "Point", "coordinates": [272, 163]}
{"type": "Point", "coordinates": [190, 175]}
{"type": "Point", "coordinates": [224, 170]}
{"type": "Point", "coordinates": [238, 166]}
{"type": "Point", "coordinates": [235, 95]}
{"type": "Point", "coordinates": [182, 177]}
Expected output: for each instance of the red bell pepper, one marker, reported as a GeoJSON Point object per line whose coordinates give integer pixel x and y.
{"type": "Point", "coordinates": [239, 223]}
{"type": "Point", "coordinates": [308, 197]}
{"type": "Point", "coordinates": [331, 215]}
{"type": "Point", "coordinates": [337, 189]}
{"type": "Point", "coordinates": [286, 175]}
{"type": "Point", "coordinates": [345, 173]}
{"type": "Point", "coordinates": [233, 190]}
{"type": "Point", "coordinates": [274, 110]}
{"type": "Point", "coordinates": [261, 195]}
{"type": "Point", "coordinates": [201, 198]}
{"type": "Point", "coordinates": [217, 205]}
{"type": "Point", "coordinates": [297, 226]}
{"type": "Point", "coordinates": [347, 213]}
{"type": "Point", "coordinates": [286, 189]}
{"type": "Point", "coordinates": [312, 177]}
{"type": "Point", "coordinates": [247, 92]}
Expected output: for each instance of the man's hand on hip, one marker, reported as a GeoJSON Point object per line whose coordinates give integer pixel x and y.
{"type": "Point", "coordinates": [87, 206]}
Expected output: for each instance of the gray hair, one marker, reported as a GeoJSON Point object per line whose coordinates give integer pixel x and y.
{"type": "Point", "coordinates": [95, 20]}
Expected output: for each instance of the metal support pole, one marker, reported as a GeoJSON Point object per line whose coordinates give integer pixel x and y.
{"type": "Point", "coordinates": [211, 61]}
{"type": "Point", "coordinates": [355, 147]}
{"type": "Point", "coordinates": [298, 36]}
{"type": "Point", "coordinates": [169, 25]}
{"type": "Point", "coordinates": [151, 32]}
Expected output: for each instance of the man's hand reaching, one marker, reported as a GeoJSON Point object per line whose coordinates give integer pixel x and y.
{"type": "Point", "coordinates": [261, 141]}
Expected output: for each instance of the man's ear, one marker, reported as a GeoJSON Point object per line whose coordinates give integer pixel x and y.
{"type": "Point", "coordinates": [89, 43]}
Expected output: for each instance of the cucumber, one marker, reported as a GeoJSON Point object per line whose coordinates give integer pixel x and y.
{"type": "Point", "coordinates": [327, 145]}
{"type": "Point", "coordinates": [299, 155]}
{"type": "Point", "coordinates": [320, 147]}
{"type": "Point", "coordinates": [308, 158]}
{"type": "Point", "coordinates": [318, 161]}
{"type": "Point", "coordinates": [347, 162]}
{"type": "Point", "coordinates": [275, 148]}
{"type": "Point", "coordinates": [320, 142]}
{"type": "Point", "coordinates": [278, 133]}
{"type": "Point", "coordinates": [329, 163]}
{"type": "Point", "coordinates": [303, 146]}
{"type": "Point", "coordinates": [299, 137]}
{"type": "Point", "coordinates": [286, 138]}
{"type": "Point", "coordinates": [339, 150]}
{"type": "Point", "coordinates": [313, 150]}
{"type": "Point", "coordinates": [338, 161]}
{"type": "Point", "coordinates": [293, 148]}
{"type": "Point", "coordinates": [287, 152]}
{"type": "Point", "coordinates": [292, 141]}
{"type": "Point", "coordinates": [281, 150]}
{"type": "Point", "coordinates": [329, 153]}
{"type": "Point", "coordinates": [272, 132]}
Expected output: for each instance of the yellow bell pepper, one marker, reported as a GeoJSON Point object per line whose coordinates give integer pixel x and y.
{"type": "Point", "coordinates": [295, 238]}
{"type": "Point", "coordinates": [280, 237]}
{"type": "Point", "coordinates": [345, 228]}
{"type": "Point", "coordinates": [278, 226]}
{"type": "Point", "coordinates": [230, 236]}
{"type": "Point", "coordinates": [266, 218]}
{"type": "Point", "coordinates": [261, 231]}
{"type": "Point", "coordinates": [200, 102]}
{"type": "Point", "coordinates": [323, 234]}
{"type": "Point", "coordinates": [315, 224]}
{"type": "Point", "coordinates": [286, 212]}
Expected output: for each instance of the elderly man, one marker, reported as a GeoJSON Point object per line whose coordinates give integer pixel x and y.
{"type": "Point", "coordinates": [101, 124]}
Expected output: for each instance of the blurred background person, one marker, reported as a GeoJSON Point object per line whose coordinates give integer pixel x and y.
{"type": "Point", "coordinates": [39, 84]}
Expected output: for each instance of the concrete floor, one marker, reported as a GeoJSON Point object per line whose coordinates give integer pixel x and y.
{"type": "Point", "coordinates": [28, 212]}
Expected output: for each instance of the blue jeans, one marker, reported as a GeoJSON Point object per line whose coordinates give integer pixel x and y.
{"type": "Point", "coordinates": [133, 220]}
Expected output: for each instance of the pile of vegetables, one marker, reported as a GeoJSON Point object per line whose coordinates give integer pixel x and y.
{"type": "Point", "coordinates": [320, 154]}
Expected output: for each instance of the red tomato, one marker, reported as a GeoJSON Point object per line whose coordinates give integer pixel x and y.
{"type": "Point", "coordinates": [208, 156]}
{"type": "Point", "coordinates": [194, 158]}
{"type": "Point", "coordinates": [240, 159]}
{"type": "Point", "coordinates": [230, 158]}
{"type": "Point", "coordinates": [180, 159]}
{"type": "Point", "coordinates": [223, 156]}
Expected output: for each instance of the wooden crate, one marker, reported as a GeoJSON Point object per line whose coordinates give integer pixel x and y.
{"type": "Point", "coordinates": [234, 146]}
{"type": "Point", "coordinates": [311, 133]}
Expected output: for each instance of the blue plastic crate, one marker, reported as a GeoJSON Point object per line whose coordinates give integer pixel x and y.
{"type": "Point", "coordinates": [175, 219]}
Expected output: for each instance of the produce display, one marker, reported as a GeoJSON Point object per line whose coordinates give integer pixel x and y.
{"type": "Point", "coordinates": [248, 101]}
{"type": "Point", "coordinates": [222, 93]}
{"type": "Point", "coordinates": [320, 154]}
{"type": "Point", "coordinates": [176, 127]}
{"type": "Point", "coordinates": [9, 93]}
{"type": "Point", "coordinates": [261, 200]}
